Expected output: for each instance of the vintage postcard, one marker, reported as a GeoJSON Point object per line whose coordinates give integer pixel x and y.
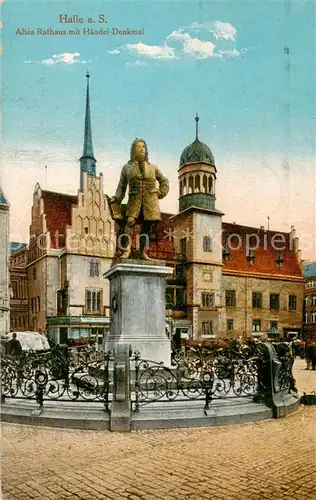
{"type": "Point", "coordinates": [157, 247]}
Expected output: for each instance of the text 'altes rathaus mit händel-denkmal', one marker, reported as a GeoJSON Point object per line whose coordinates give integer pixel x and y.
{"type": "Point", "coordinates": [80, 31]}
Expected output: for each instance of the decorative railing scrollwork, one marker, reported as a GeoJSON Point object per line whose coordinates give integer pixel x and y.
{"type": "Point", "coordinates": [65, 374]}
{"type": "Point", "coordinates": [201, 374]}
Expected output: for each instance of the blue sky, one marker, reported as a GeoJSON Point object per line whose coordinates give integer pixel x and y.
{"type": "Point", "coordinates": [247, 68]}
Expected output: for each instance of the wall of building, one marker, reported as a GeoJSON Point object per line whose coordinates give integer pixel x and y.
{"type": "Point", "coordinates": [37, 286]}
{"type": "Point", "coordinates": [78, 276]}
{"type": "Point", "coordinates": [243, 313]}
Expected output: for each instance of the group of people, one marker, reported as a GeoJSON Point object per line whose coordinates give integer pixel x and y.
{"type": "Point", "coordinates": [308, 347]}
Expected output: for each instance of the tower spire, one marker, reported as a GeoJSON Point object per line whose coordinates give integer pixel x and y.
{"type": "Point", "coordinates": [87, 160]}
{"type": "Point", "coordinates": [197, 126]}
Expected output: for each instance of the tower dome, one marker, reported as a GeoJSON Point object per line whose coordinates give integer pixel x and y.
{"type": "Point", "coordinates": [197, 152]}
{"type": "Point", "coordinates": [197, 176]}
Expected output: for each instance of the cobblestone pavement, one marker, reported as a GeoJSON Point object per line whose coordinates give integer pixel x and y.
{"type": "Point", "coordinates": [272, 459]}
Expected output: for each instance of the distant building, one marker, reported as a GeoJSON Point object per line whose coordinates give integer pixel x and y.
{"type": "Point", "coordinates": [309, 313]}
{"type": "Point", "coordinates": [4, 264]}
{"type": "Point", "coordinates": [229, 280]}
{"type": "Point", "coordinates": [19, 308]}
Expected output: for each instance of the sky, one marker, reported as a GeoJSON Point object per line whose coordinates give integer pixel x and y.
{"type": "Point", "coordinates": [247, 68]}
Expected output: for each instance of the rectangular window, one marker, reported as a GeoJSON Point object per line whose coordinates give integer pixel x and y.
{"type": "Point", "coordinates": [306, 300]}
{"type": "Point", "coordinates": [230, 298]}
{"type": "Point", "coordinates": [183, 246]}
{"type": "Point", "coordinates": [257, 300]}
{"type": "Point", "coordinates": [230, 324]}
{"type": "Point", "coordinates": [274, 326]}
{"type": "Point", "coordinates": [38, 304]}
{"type": "Point", "coordinates": [313, 315]}
{"type": "Point", "coordinates": [93, 300]}
{"type": "Point", "coordinates": [292, 302]}
{"type": "Point", "coordinates": [207, 327]}
{"type": "Point", "coordinates": [207, 244]}
{"type": "Point", "coordinates": [169, 297]}
{"type": "Point", "coordinates": [207, 299]}
{"type": "Point", "coordinates": [310, 284]}
{"type": "Point", "coordinates": [34, 273]}
{"type": "Point", "coordinates": [305, 317]}
{"type": "Point", "coordinates": [94, 268]}
{"type": "Point", "coordinates": [313, 300]}
{"type": "Point", "coordinates": [14, 289]}
{"type": "Point", "coordinates": [256, 325]}
{"type": "Point", "coordinates": [179, 296]}
{"type": "Point", "coordinates": [274, 301]}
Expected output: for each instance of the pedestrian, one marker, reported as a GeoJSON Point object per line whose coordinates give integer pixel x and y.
{"type": "Point", "coordinates": [312, 354]}
{"type": "Point", "coordinates": [307, 354]}
{"type": "Point", "coordinates": [13, 347]}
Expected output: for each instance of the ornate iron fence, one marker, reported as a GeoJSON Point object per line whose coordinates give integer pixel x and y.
{"type": "Point", "coordinates": [258, 372]}
{"type": "Point", "coordinates": [63, 374]}
{"type": "Point", "coordinates": [200, 375]}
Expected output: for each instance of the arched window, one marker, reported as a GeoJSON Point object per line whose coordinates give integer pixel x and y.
{"type": "Point", "coordinates": [191, 187]}
{"type": "Point", "coordinates": [204, 183]}
{"type": "Point", "coordinates": [207, 244]}
{"type": "Point", "coordinates": [185, 186]}
{"type": "Point", "coordinates": [210, 185]}
{"type": "Point", "coordinates": [197, 183]}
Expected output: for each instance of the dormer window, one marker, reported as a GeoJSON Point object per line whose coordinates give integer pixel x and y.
{"type": "Point", "coordinates": [251, 256]}
{"type": "Point", "coordinates": [279, 260]}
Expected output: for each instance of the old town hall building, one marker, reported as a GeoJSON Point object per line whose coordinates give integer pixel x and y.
{"type": "Point", "coordinates": [229, 280]}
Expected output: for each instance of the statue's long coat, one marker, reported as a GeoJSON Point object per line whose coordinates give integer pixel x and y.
{"type": "Point", "coordinates": [143, 190]}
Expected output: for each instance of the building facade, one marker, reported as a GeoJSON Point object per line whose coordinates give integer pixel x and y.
{"type": "Point", "coordinates": [19, 303]}
{"type": "Point", "coordinates": [309, 313]}
{"type": "Point", "coordinates": [228, 281]}
{"type": "Point", "coordinates": [4, 264]}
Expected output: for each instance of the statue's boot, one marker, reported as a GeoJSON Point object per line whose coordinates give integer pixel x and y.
{"type": "Point", "coordinates": [128, 248]}
{"type": "Point", "coordinates": [142, 253]}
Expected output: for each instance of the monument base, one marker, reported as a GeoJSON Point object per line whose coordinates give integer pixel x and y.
{"type": "Point", "coordinates": [137, 308]}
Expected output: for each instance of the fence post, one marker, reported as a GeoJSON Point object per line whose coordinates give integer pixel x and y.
{"type": "Point", "coordinates": [120, 419]}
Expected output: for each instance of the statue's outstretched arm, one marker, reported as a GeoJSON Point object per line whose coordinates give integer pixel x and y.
{"type": "Point", "coordinates": [163, 184]}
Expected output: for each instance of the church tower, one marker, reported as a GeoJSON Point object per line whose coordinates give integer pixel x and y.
{"type": "Point", "coordinates": [199, 226]}
{"type": "Point", "coordinates": [87, 160]}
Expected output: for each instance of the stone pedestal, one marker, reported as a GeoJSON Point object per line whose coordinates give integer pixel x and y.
{"type": "Point", "coordinates": [137, 308]}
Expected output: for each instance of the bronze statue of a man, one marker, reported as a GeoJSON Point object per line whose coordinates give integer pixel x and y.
{"type": "Point", "coordinates": [142, 207]}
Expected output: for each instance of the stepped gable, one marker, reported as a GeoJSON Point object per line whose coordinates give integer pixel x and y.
{"type": "Point", "coordinates": [58, 208]}
{"type": "Point", "coordinates": [265, 256]}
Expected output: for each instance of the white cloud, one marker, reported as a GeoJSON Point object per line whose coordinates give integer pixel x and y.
{"type": "Point", "coordinates": [152, 51]}
{"type": "Point", "coordinates": [114, 52]}
{"type": "Point", "coordinates": [220, 29]}
{"type": "Point", "coordinates": [181, 43]}
{"type": "Point", "coordinates": [224, 31]}
{"type": "Point", "coordinates": [64, 58]}
{"type": "Point", "coordinates": [229, 53]}
{"type": "Point", "coordinates": [192, 46]}
{"type": "Point", "coordinates": [136, 63]}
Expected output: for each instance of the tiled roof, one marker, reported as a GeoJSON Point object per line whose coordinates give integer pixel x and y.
{"type": "Point", "coordinates": [266, 252]}
{"type": "Point", "coordinates": [57, 207]}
